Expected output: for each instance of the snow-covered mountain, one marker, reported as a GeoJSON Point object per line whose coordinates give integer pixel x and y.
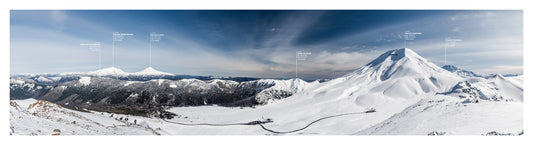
{"type": "Point", "coordinates": [402, 70]}
{"type": "Point", "coordinates": [495, 88]}
{"type": "Point", "coordinates": [286, 87]}
{"type": "Point", "coordinates": [110, 71]}
{"type": "Point", "coordinates": [392, 82]}
{"type": "Point", "coordinates": [22, 88]}
{"type": "Point", "coordinates": [462, 72]}
{"type": "Point", "coordinates": [474, 106]}
{"type": "Point", "coordinates": [144, 97]}
{"type": "Point", "coordinates": [150, 71]}
{"type": "Point", "coordinates": [113, 71]}
{"type": "Point", "coordinates": [43, 79]}
{"type": "Point", "coordinates": [409, 94]}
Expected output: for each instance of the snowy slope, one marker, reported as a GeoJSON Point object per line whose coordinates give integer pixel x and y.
{"type": "Point", "coordinates": [443, 115]}
{"type": "Point", "coordinates": [517, 80]}
{"type": "Point", "coordinates": [35, 117]}
{"type": "Point", "coordinates": [150, 71]}
{"type": "Point", "coordinates": [511, 87]}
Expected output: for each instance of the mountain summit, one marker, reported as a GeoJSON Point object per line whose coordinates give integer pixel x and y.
{"type": "Point", "coordinates": [110, 71]}
{"type": "Point", "coordinates": [113, 71]}
{"type": "Point", "coordinates": [398, 63]}
{"type": "Point", "coordinates": [151, 71]}
{"type": "Point", "coordinates": [389, 84]}
{"type": "Point", "coordinates": [395, 55]}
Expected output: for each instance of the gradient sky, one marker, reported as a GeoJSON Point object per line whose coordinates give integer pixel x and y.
{"type": "Point", "coordinates": [261, 43]}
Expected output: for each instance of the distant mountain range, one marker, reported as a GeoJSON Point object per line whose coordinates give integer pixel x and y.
{"type": "Point", "coordinates": [106, 93]}
{"type": "Point", "coordinates": [466, 73]}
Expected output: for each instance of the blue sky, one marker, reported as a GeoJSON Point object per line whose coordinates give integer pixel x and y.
{"type": "Point", "coordinates": [261, 43]}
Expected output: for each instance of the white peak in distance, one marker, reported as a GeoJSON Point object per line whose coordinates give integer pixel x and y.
{"type": "Point", "coordinates": [151, 71]}
{"type": "Point", "coordinates": [110, 71]}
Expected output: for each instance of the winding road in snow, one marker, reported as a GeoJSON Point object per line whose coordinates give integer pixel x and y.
{"type": "Point", "coordinates": [260, 123]}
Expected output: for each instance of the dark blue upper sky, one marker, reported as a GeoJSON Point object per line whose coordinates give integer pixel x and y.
{"type": "Point", "coordinates": [260, 43]}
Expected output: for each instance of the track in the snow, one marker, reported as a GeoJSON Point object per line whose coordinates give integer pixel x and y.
{"type": "Point", "coordinates": [300, 129]}
{"type": "Point", "coordinates": [260, 123]}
